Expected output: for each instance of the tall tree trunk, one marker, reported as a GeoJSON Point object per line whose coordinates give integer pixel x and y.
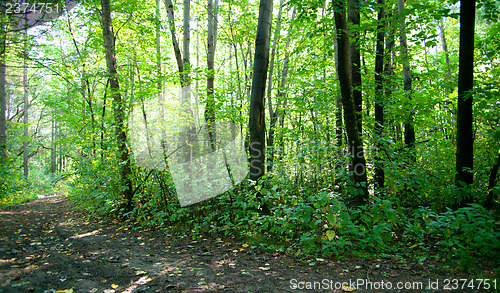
{"type": "Point", "coordinates": [390, 43]}
{"type": "Point", "coordinates": [3, 110]}
{"type": "Point", "coordinates": [169, 7]}
{"type": "Point", "coordinates": [186, 41]}
{"type": "Point", "coordinates": [159, 85]}
{"type": "Point", "coordinates": [3, 83]}
{"type": "Point", "coordinates": [257, 123]}
{"type": "Point", "coordinates": [338, 124]}
{"type": "Point", "coordinates": [103, 118]}
{"type": "Point", "coordinates": [26, 106]}
{"type": "Point", "coordinates": [358, 166]}
{"type": "Point", "coordinates": [491, 183]}
{"type": "Point", "coordinates": [273, 117]}
{"type": "Point", "coordinates": [235, 47]}
{"type": "Point", "coordinates": [338, 119]}
{"type": "Point", "coordinates": [465, 139]}
{"type": "Point", "coordinates": [189, 131]}
{"type": "Point", "coordinates": [211, 44]}
{"type": "Point", "coordinates": [409, 128]}
{"type": "Point", "coordinates": [158, 50]}
{"type": "Point", "coordinates": [279, 112]}
{"type": "Point", "coordinates": [446, 53]}
{"type": "Point", "coordinates": [119, 111]}
{"type": "Point", "coordinates": [379, 95]}
{"type": "Point", "coordinates": [53, 153]}
{"type": "Point", "coordinates": [357, 92]}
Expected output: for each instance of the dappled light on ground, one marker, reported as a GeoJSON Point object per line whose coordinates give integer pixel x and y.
{"type": "Point", "coordinates": [61, 249]}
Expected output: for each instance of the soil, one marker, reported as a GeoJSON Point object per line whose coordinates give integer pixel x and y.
{"type": "Point", "coordinates": [48, 246]}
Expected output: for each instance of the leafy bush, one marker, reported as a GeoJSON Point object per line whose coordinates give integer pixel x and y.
{"type": "Point", "coordinates": [94, 187]}
{"type": "Point", "coordinates": [469, 230]}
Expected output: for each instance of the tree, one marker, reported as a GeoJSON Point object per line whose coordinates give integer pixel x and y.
{"type": "Point", "coordinates": [53, 153]}
{"type": "Point", "coordinates": [279, 112]}
{"type": "Point", "coordinates": [379, 94]}
{"type": "Point", "coordinates": [118, 105]}
{"type": "Point", "coordinates": [358, 166]}
{"type": "Point", "coordinates": [357, 92]}
{"type": "Point", "coordinates": [26, 106]}
{"type": "Point", "coordinates": [3, 82]}
{"type": "Point", "coordinates": [465, 138]}
{"type": "Point", "coordinates": [211, 44]}
{"type": "Point", "coordinates": [409, 127]}
{"type": "Point", "coordinates": [189, 132]}
{"type": "Point", "coordinates": [257, 124]}
{"type": "Point", "coordinates": [171, 23]}
{"type": "Point", "coordinates": [273, 118]}
{"type": "Point", "coordinates": [184, 66]}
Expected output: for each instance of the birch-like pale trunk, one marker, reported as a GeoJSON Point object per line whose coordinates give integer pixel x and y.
{"type": "Point", "coordinates": [211, 45]}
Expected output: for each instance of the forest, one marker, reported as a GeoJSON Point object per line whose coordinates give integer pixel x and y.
{"type": "Point", "coordinates": [306, 127]}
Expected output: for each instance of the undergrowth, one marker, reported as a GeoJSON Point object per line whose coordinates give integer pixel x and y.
{"type": "Point", "coordinates": [306, 222]}
{"type": "Point", "coordinates": [15, 189]}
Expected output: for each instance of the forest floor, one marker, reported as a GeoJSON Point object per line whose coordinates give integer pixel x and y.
{"type": "Point", "coordinates": [47, 246]}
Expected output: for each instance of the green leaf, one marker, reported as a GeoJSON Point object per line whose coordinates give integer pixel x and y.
{"type": "Point", "coordinates": [330, 234]}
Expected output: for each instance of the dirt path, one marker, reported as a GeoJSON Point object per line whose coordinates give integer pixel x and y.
{"type": "Point", "coordinates": [46, 245]}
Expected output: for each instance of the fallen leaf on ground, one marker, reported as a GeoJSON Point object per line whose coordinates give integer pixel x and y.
{"type": "Point", "coordinates": [143, 280]}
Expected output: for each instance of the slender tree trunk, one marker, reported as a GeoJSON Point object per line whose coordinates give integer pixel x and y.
{"type": "Point", "coordinates": [3, 82]}
{"type": "Point", "coordinates": [465, 138]}
{"type": "Point", "coordinates": [171, 23]}
{"type": "Point", "coordinates": [358, 166]}
{"type": "Point", "coordinates": [272, 115]}
{"type": "Point", "coordinates": [26, 106]}
{"type": "Point", "coordinates": [235, 47]}
{"type": "Point", "coordinates": [388, 66]}
{"type": "Point", "coordinates": [85, 87]}
{"type": "Point", "coordinates": [257, 124]}
{"type": "Point", "coordinates": [446, 53]}
{"type": "Point", "coordinates": [211, 43]}
{"type": "Point", "coordinates": [354, 18]}
{"type": "Point", "coordinates": [338, 124]}
{"type": "Point", "coordinates": [159, 86]}
{"type": "Point", "coordinates": [450, 81]}
{"type": "Point", "coordinates": [379, 95]}
{"type": "Point", "coordinates": [186, 41]}
{"type": "Point", "coordinates": [409, 128]}
{"type": "Point", "coordinates": [279, 112]}
{"type": "Point", "coordinates": [53, 153]}
{"type": "Point", "coordinates": [119, 111]}
{"type": "Point", "coordinates": [338, 119]}
{"type": "Point", "coordinates": [61, 163]}
{"type": "Point", "coordinates": [158, 50]}
{"type": "Point", "coordinates": [103, 118]}
{"type": "Point", "coordinates": [491, 184]}
{"type": "Point", "coordinates": [189, 131]}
